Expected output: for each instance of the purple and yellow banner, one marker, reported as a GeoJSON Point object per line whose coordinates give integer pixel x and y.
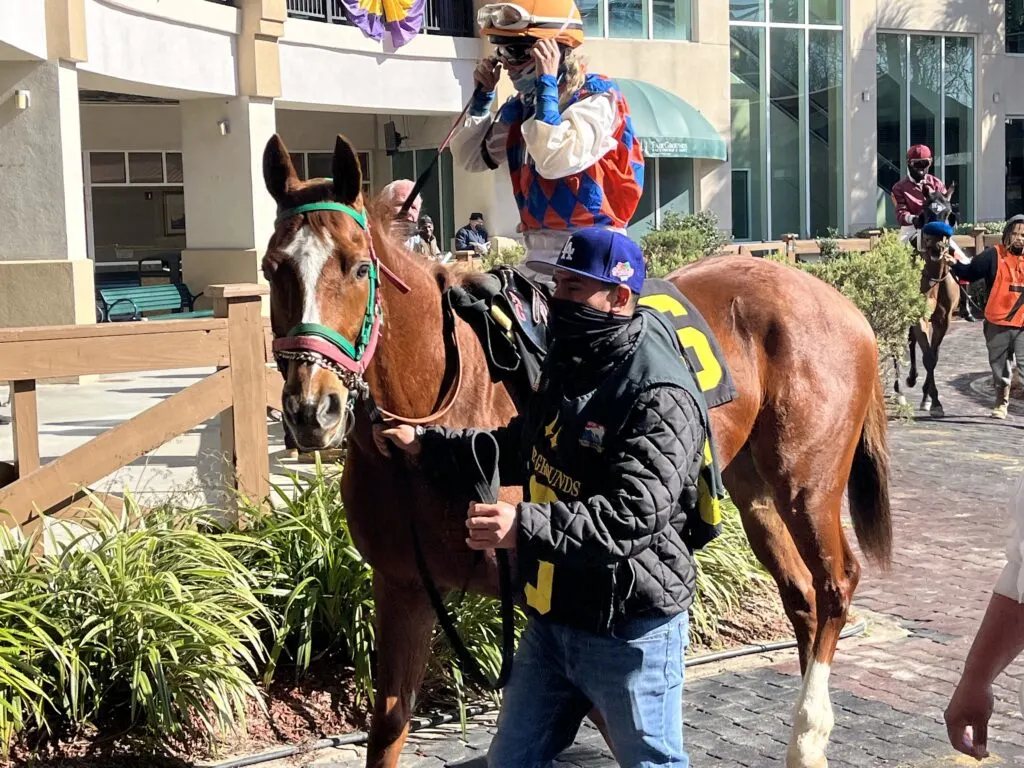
{"type": "Point", "coordinates": [402, 18]}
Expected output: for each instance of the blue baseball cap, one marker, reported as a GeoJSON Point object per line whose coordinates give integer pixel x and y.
{"type": "Point", "coordinates": [938, 229]}
{"type": "Point", "coordinates": [604, 255]}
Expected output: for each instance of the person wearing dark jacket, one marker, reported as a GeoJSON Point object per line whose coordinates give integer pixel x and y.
{"type": "Point", "coordinates": [610, 452]}
{"type": "Point", "coordinates": [473, 236]}
{"type": "Point", "coordinates": [1002, 269]}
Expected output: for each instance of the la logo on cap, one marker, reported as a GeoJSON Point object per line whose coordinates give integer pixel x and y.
{"type": "Point", "coordinates": [567, 250]}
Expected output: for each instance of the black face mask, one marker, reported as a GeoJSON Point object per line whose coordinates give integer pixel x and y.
{"type": "Point", "coordinates": [572, 321]}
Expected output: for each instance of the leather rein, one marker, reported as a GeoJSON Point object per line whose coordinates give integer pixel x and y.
{"type": "Point", "coordinates": [350, 359]}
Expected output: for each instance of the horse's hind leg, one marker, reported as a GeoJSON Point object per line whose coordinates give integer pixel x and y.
{"type": "Point", "coordinates": [405, 621]}
{"type": "Point", "coordinates": [774, 547]}
{"type": "Point", "coordinates": [938, 334]}
{"type": "Point", "coordinates": [809, 480]}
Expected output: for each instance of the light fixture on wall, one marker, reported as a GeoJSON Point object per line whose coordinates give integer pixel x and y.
{"type": "Point", "coordinates": [995, 97]}
{"type": "Point", "coordinates": [22, 99]}
{"type": "Point", "coordinates": [224, 126]}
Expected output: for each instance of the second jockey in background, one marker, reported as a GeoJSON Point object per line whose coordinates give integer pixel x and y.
{"type": "Point", "coordinates": [565, 136]}
{"type": "Point", "coordinates": [910, 195]}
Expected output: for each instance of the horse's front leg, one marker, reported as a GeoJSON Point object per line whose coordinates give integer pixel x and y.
{"type": "Point", "coordinates": [405, 622]}
{"type": "Point", "coordinates": [939, 328]}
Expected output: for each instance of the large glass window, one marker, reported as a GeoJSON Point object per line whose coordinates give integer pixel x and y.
{"type": "Point", "coordinates": [669, 189]}
{"type": "Point", "coordinates": [926, 96]}
{"type": "Point", "coordinates": [1015, 26]}
{"type": "Point", "coordinates": [787, 117]}
{"type": "Point", "coordinates": [638, 19]}
{"type": "Point", "coordinates": [825, 117]}
{"type": "Point", "coordinates": [1014, 167]}
{"type": "Point", "coordinates": [749, 151]}
{"type": "Point", "coordinates": [438, 193]}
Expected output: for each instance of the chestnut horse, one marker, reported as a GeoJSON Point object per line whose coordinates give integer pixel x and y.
{"type": "Point", "coordinates": [808, 424]}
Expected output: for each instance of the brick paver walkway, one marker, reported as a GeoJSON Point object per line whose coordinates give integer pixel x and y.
{"type": "Point", "coordinates": [951, 481]}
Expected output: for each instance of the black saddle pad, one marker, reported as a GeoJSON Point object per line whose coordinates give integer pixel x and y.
{"type": "Point", "coordinates": [700, 347]}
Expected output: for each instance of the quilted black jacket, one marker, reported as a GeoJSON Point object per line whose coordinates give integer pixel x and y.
{"type": "Point", "coordinates": [649, 471]}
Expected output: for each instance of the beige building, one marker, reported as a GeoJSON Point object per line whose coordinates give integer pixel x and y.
{"type": "Point", "coordinates": [132, 130]}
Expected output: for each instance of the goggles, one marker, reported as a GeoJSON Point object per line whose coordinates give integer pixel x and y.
{"type": "Point", "coordinates": [509, 17]}
{"type": "Point", "coordinates": [919, 163]}
{"type": "Point", "coordinates": [515, 53]}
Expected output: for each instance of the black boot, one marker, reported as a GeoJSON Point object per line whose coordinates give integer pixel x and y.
{"type": "Point", "coordinates": [965, 307]}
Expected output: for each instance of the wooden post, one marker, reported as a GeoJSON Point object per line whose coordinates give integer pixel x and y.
{"type": "Point", "coordinates": [789, 240]}
{"type": "Point", "coordinates": [25, 423]}
{"type": "Point", "coordinates": [979, 239]}
{"type": "Point", "coordinates": [874, 235]}
{"type": "Point", "coordinates": [244, 426]}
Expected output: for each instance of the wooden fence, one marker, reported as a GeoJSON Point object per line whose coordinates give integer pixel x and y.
{"type": "Point", "coordinates": [236, 341]}
{"type": "Point", "coordinates": [794, 249]}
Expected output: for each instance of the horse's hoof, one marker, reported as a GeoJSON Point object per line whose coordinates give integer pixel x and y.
{"type": "Point", "coordinates": [926, 404]}
{"type": "Point", "coordinates": [911, 381]}
{"type": "Point", "coordinates": [796, 760]}
{"type": "Point", "coordinates": [936, 411]}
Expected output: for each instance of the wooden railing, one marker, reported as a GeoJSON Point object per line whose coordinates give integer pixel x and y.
{"type": "Point", "coordinates": [236, 341]}
{"type": "Point", "coordinates": [793, 249]}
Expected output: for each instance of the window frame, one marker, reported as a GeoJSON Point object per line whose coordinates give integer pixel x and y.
{"type": "Point", "coordinates": [605, 5]}
{"type": "Point", "coordinates": [805, 27]}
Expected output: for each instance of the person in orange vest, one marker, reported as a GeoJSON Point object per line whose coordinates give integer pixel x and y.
{"type": "Point", "coordinates": [1002, 269]}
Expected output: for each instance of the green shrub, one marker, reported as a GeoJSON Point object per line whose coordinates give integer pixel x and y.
{"type": "Point", "coordinates": [828, 246]}
{"type": "Point", "coordinates": [885, 284]}
{"type": "Point", "coordinates": [990, 227]}
{"type": "Point", "coordinates": [141, 622]}
{"type": "Point", "coordinates": [313, 579]}
{"type": "Point", "coordinates": [680, 240]}
{"type": "Point", "coordinates": [727, 570]}
{"type": "Point", "coordinates": [509, 256]}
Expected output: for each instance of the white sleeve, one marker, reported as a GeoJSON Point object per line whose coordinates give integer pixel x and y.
{"type": "Point", "coordinates": [475, 136]}
{"type": "Point", "coordinates": [1011, 581]}
{"type": "Point", "coordinates": [585, 134]}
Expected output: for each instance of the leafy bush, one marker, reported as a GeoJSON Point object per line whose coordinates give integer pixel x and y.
{"type": "Point", "coordinates": [727, 570]}
{"type": "Point", "coordinates": [885, 284]}
{"type": "Point", "coordinates": [681, 240]}
{"type": "Point", "coordinates": [828, 246]}
{"type": "Point", "coordinates": [510, 256]}
{"type": "Point", "coordinates": [990, 227]}
{"type": "Point", "coordinates": [139, 622]}
{"type": "Point", "coordinates": [314, 581]}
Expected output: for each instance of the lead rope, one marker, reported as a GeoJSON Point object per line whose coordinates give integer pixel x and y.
{"type": "Point", "coordinates": [484, 449]}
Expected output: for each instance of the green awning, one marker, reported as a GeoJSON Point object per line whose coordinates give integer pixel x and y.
{"type": "Point", "coordinates": [667, 125]}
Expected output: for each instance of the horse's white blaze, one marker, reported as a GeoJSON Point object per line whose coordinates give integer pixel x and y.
{"type": "Point", "coordinates": [309, 253]}
{"type": "Point", "coordinates": [813, 721]}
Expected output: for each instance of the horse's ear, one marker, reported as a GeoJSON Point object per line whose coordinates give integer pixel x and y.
{"type": "Point", "coordinates": [348, 176]}
{"type": "Point", "coordinates": [278, 171]}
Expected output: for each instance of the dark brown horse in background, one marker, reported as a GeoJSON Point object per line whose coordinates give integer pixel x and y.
{"type": "Point", "coordinates": [808, 426]}
{"type": "Point", "coordinates": [942, 293]}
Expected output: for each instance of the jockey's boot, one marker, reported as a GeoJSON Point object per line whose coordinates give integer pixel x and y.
{"type": "Point", "coordinates": [965, 306]}
{"type": "Point", "coordinates": [1002, 403]}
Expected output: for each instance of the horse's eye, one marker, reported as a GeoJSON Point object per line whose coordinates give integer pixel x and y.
{"type": "Point", "coordinates": [362, 272]}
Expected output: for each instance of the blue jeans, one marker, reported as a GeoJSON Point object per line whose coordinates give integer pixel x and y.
{"type": "Point", "coordinates": [634, 678]}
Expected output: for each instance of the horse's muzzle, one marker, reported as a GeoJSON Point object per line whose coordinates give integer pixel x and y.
{"type": "Point", "coordinates": [316, 424]}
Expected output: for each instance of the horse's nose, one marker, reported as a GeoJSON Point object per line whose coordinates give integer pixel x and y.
{"type": "Point", "coordinates": [312, 420]}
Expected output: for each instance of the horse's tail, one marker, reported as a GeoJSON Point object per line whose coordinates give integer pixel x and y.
{"type": "Point", "coordinates": [868, 487]}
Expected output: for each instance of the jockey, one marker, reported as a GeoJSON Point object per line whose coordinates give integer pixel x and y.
{"type": "Point", "coordinates": [566, 135]}
{"type": "Point", "coordinates": [910, 194]}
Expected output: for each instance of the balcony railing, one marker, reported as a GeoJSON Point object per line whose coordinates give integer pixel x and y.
{"type": "Point", "coordinates": [453, 18]}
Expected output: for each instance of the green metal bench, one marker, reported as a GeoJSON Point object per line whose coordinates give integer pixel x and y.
{"type": "Point", "coordinates": [129, 302]}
